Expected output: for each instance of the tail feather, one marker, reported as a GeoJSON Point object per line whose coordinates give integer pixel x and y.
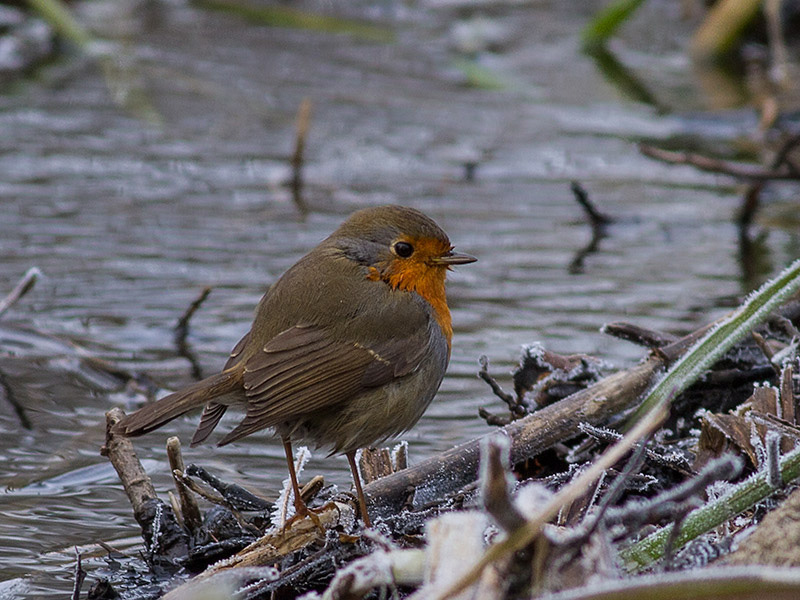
{"type": "Point", "coordinates": [154, 415]}
{"type": "Point", "coordinates": [212, 413]}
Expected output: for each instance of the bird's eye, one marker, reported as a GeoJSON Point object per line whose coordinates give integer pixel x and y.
{"type": "Point", "coordinates": [403, 249]}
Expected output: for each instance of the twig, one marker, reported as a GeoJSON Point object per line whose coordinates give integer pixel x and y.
{"type": "Point", "coordinates": [217, 499]}
{"type": "Point", "coordinates": [19, 410]}
{"type": "Point", "coordinates": [768, 352]}
{"type": "Point", "coordinates": [593, 521]}
{"type": "Point", "coordinates": [714, 165]}
{"type": "Point", "coordinates": [676, 462]}
{"type": "Point", "coordinates": [493, 419]}
{"type": "Point", "coordinates": [514, 404]}
{"type": "Point", "coordinates": [303, 123]}
{"type": "Point", "coordinates": [23, 286]}
{"type": "Point", "coordinates": [752, 194]}
{"type": "Point", "coordinates": [596, 218]}
{"type": "Point", "coordinates": [80, 575]}
{"type": "Point", "coordinates": [498, 391]}
{"type": "Point", "coordinates": [235, 495]}
{"type": "Point", "coordinates": [641, 336]}
{"type": "Point", "coordinates": [182, 331]}
{"type": "Point", "coordinates": [494, 484]}
{"type": "Point", "coordinates": [671, 502]}
{"type": "Point", "coordinates": [192, 519]}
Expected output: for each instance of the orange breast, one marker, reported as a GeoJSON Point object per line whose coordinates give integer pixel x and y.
{"type": "Point", "coordinates": [428, 282]}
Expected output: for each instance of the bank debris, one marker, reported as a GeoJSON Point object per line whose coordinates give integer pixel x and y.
{"type": "Point", "coordinates": [576, 492]}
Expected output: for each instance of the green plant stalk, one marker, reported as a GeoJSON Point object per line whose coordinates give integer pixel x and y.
{"type": "Point", "coordinates": [284, 16]}
{"type": "Point", "coordinates": [650, 414]}
{"type": "Point", "coordinates": [59, 16]}
{"type": "Point", "coordinates": [721, 338]}
{"type": "Point", "coordinates": [606, 22]}
{"type": "Point", "coordinates": [741, 497]}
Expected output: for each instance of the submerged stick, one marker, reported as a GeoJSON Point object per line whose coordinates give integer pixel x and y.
{"type": "Point", "coordinates": [23, 287]}
{"type": "Point", "coordinates": [303, 123]}
{"type": "Point", "coordinates": [182, 332]}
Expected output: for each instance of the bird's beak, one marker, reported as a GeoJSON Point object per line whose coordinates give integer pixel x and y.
{"type": "Point", "coordinates": [454, 258]}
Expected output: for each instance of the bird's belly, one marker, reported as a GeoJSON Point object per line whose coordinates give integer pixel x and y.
{"type": "Point", "coordinates": [372, 416]}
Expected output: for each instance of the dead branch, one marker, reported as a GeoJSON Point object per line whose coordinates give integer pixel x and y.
{"type": "Point", "coordinates": [454, 468]}
{"type": "Point", "coordinates": [119, 450]}
{"type": "Point", "coordinates": [7, 392]}
{"type": "Point", "coordinates": [641, 336]}
{"type": "Point", "coordinates": [715, 165]}
{"type": "Point", "coordinates": [597, 220]}
{"type": "Point", "coordinates": [80, 575]}
{"type": "Point", "coordinates": [531, 435]}
{"type": "Point", "coordinates": [163, 535]}
{"type": "Point", "coordinates": [296, 535]}
{"type": "Point", "coordinates": [495, 485]}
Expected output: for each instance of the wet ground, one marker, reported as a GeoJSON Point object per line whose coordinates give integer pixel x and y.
{"type": "Point", "coordinates": [135, 185]}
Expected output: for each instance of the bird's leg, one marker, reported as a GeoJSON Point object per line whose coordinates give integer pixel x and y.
{"type": "Point", "coordinates": [300, 508]}
{"type": "Point", "coordinates": [362, 501]}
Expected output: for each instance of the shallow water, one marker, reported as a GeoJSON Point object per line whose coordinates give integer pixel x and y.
{"type": "Point", "coordinates": [130, 212]}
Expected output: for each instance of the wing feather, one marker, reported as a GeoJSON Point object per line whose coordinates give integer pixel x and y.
{"type": "Point", "coordinates": [303, 370]}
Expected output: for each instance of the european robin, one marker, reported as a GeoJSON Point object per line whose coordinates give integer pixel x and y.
{"type": "Point", "coordinates": [347, 348]}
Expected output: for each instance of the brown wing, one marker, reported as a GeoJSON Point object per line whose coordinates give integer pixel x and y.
{"type": "Point", "coordinates": [303, 370]}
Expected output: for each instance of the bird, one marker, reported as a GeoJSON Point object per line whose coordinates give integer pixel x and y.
{"type": "Point", "coordinates": [346, 349]}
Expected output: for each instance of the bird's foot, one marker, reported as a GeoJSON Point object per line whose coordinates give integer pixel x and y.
{"type": "Point", "coordinates": [301, 511]}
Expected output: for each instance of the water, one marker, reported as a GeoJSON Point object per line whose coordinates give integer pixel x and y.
{"type": "Point", "coordinates": [130, 212]}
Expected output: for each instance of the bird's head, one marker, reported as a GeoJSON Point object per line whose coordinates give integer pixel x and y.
{"type": "Point", "coordinates": [399, 246]}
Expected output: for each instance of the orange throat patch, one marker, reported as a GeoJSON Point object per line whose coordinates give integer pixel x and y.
{"type": "Point", "coordinates": [428, 282]}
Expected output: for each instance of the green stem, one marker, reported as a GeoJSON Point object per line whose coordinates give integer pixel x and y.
{"type": "Point", "coordinates": [59, 16]}
{"type": "Point", "coordinates": [720, 339]}
{"type": "Point", "coordinates": [738, 499]}
{"type": "Point", "coordinates": [607, 21]}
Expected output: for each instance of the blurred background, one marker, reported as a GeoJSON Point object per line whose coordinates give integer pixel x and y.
{"type": "Point", "coordinates": [146, 153]}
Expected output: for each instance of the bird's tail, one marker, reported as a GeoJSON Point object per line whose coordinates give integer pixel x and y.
{"type": "Point", "coordinates": [154, 415]}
